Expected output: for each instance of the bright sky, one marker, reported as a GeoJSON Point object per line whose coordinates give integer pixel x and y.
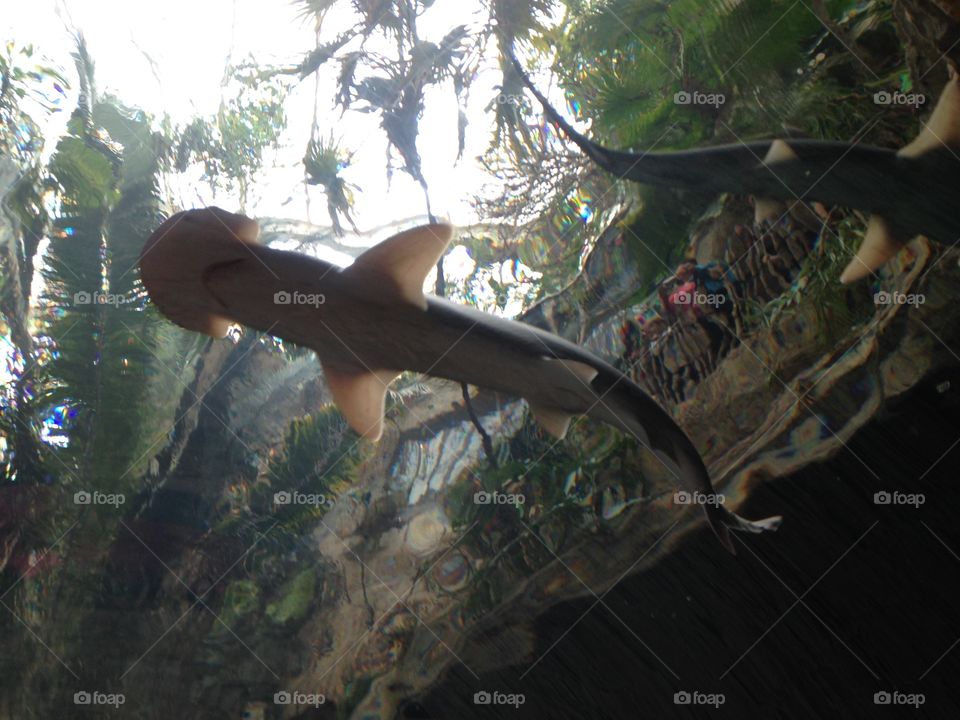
{"type": "Point", "coordinates": [190, 41]}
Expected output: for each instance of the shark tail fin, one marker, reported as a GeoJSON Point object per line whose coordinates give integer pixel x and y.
{"type": "Point", "coordinates": [722, 521]}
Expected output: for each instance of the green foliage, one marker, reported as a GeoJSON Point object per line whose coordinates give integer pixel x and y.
{"type": "Point", "coordinates": [816, 288]}
{"type": "Point", "coordinates": [656, 231]}
{"type": "Point", "coordinates": [530, 463]}
{"type": "Point", "coordinates": [231, 144]}
{"type": "Point", "coordinates": [293, 598]}
{"type": "Point", "coordinates": [314, 8]}
{"type": "Point", "coordinates": [112, 356]}
{"type": "Point", "coordinates": [318, 455]}
{"type": "Point", "coordinates": [28, 86]}
{"type": "Point", "coordinates": [323, 163]}
{"type": "Point", "coordinates": [241, 598]}
{"type": "Point", "coordinates": [623, 61]}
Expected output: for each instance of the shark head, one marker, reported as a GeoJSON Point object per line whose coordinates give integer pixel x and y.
{"type": "Point", "coordinates": [178, 255]}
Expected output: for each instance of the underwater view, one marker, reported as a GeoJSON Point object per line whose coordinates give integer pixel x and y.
{"type": "Point", "coordinates": [373, 359]}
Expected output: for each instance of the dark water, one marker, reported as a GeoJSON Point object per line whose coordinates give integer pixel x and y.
{"type": "Point", "coordinates": [847, 600]}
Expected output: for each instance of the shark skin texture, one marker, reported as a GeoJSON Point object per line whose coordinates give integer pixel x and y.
{"type": "Point", "coordinates": [370, 321]}
{"type": "Point", "coordinates": [908, 192]}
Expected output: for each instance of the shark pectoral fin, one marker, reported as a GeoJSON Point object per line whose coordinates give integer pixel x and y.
{"type": "Point", "coordinates": [361, 397]}
{"type": "Point", "coordinates": [878, 246]}
{"type": "Point", "coordinates": [554, 421]}
{"type": "Point", "coordinates": [942, 131]}
{"type": "Point", "coordinates": [943, 128]}
{"type": "Point", "coordinates": [572, 374]}
{"type": "Point", "coordinates": [768, 209]}
{"type": "Point", "coordinates": [403, 261]}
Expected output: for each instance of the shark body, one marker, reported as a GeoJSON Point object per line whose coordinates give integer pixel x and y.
{"type": "Point", "coordinates": [370, 321]}
{"type": "Point", "coordinates": [909, 191]}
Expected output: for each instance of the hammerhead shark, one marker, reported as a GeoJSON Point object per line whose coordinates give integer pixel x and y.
{"type": "Point", "coordinates": [909, 191]}
{"type": "Point", "coordinates": [368, 322]}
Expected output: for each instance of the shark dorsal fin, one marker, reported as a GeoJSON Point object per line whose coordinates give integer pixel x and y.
{"type": "Point", "coordinates": [878, 246]}
{"type": "Point", "coordinates": [942, 130]}
{"type": "Point", "coordinates": [556, 422]}
{"type": "Point", "coordinates": [361, 397]}
{"type": "Point", "coordinates": [403, 261]}
{"type": "Point", "coordinates": [770, 209]}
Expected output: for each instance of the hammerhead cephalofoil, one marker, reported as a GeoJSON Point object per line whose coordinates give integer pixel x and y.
{"type": "Point", "coordinates": [368, 322]}
{"type": "Point", "coordinates": [908, 191]}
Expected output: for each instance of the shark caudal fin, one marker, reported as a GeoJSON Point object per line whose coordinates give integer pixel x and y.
{"type": "Point", "coordinates": [657, 430]}
{"type": "Point", "coordinates": [722, 521]}
{"type": "Point", "coordinates": [769, 210]}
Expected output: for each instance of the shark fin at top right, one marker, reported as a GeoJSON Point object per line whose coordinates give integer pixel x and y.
{"type": "Point", "coordinates": [943, 128]}
{"type": "Point", "coordinates": [878, 246]}
{"type": "Point", "coordinates": [941, 132]}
